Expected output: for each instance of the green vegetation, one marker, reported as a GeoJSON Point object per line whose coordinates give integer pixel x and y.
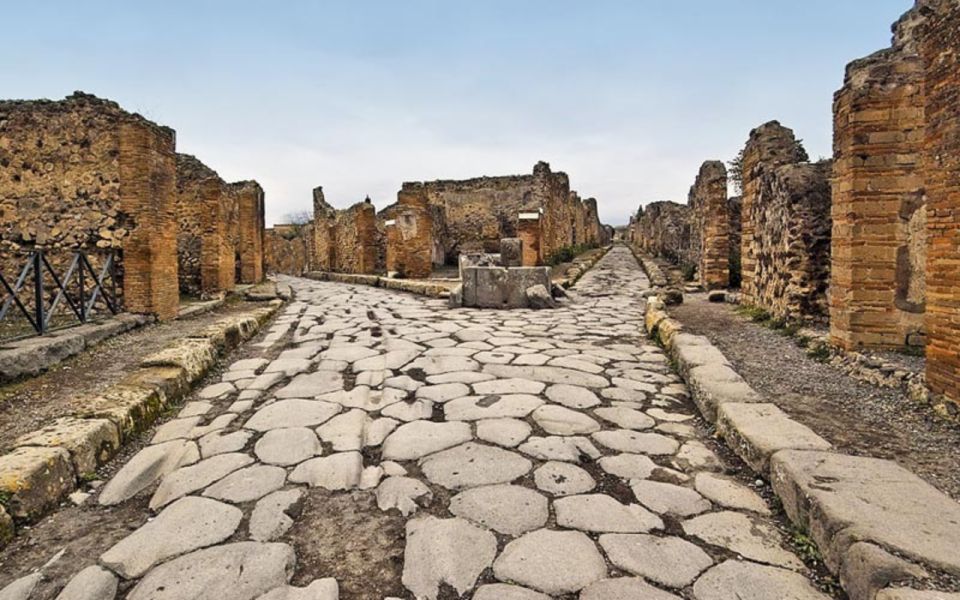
{"type": "Point", "coordinates": [754, 313]}
{"type": "Point", "coordinates": [819, 352]}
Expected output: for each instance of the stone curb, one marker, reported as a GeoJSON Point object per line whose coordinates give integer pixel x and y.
{"type": "Point", "coordinates": [433, 289]}
{"type": "Point", "coordinates": [578, 268]}
{"type": "Point", "coordinates": [874, 522]}
{"type": "Point", "coordinates": [46, 465]}
{"type": "Point", "coordinates": [652, 269]}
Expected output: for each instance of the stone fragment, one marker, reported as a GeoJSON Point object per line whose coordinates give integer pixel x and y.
{"type": "Point", "coordinates": [22, 588]}
{"type": "Point", "coordinates": [492, 406]}
{"type": "Point", "coordinates": [538, 297]}
{"type": "Point", "coordinates": [750, 581]}
{"type": "Point", "coordinates": [666, 498]}
{"type": "Point", "coordinates": [288, 446]}
{"type": "Point", "coordinates": [291, 413]}
{"type": "Point", "coordinates": [697, 456]}
{"type": "Point", "coordinates": [409, 411]}
{"type": "Point", "coordinates": [554, 562]}
{"type": "Point", "coordinates": [902, 593]}
{"type": "Point", "coordinates": [625, 418]}
{"type": "Point", "coordinates": [729, 494]}
{"type": "Point", "coordinates": [602, 513]}
{"type": "Point", "coordinates": [445, 551]}
{"type": "Point", "coordinates": [274, 513]}
{"type": "Point", "coordinates": [737, 532]}
{"type": "Point", "coordinates": [184, 526]}
{"type": "Point", "coordinates": [625, 588]}
{"type": "Point", "coordinates": [628, 466]}
{"type": "Point", "coordinates": [625, 440]}
{"type": "Point", "coordinates": [565, 448]}
{"type": "Point", "coordinates": [345, 431]}
{"type": "Point", "coordinates": [217, 390]}
{"type": "Point", "coordinates": [403, 494]}
{"type": "Point", "coordinates": [340, 471]}
{"type": "Point", "coordinates": [420, 438]}
{"type": "Point", "coordinates": [559, 420]}
{"type": "Point", "coordinates": [503, 432]}
{"type": "Point", "coordinates": [319, 589]}
{"type": "Point", "coordinates": [472, 464]}
{"type": "Point", "coordinates": [246, 485]}
{"type": "Point", "coordinates": [90, 442]}
{"type": "Point", "coordinates": [503, 591]}
{"type": "Point", "coordinates": [196, 477]}
{"type": "Point", "coordinates": [670, 561]}
{"type": "Point", "coordinates": [309, 385]}
{"type": "Point", "coordinates": [507, 509]}
{"type": "Point", "coordinates": [92, 583]}
{"type": "Point", "coordinates": [218, 442]}
{"type": "Point", "coordinates": [147, 466]}
{"type": "Point", "coordinates": [562, 479]}
{"type": "Point", "coordinates": [443, 392]}
{"type": "Point", "coordinates": [239, 571]}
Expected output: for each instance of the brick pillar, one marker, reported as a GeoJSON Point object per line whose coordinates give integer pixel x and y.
{"type": "Point", "coordinates": [410, 236]}
{"type": "Point", "coordinates": [213, 263]}
{"type": "Point", "coordinates": [877, 274]}
{"type": "Point", "coordinates": [529, 231]}
{"type": "Point", "coordinates": [251, 233]}
{"type": "Point", "coordinates": [147, 191]}
{"type": "Point", "coordinates": [366, 224]}
{"type": "Point", "coordinates": [769, 146]}
{"type": "Point", "coordinates": [940, 49]}
{"type": "Point", "coordinates": [713, 225]}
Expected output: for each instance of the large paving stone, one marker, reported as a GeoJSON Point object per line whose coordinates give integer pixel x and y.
{"type": "Point", "coordinates": [670, 561]}
{"type": "Point", "coordinates": [240, 571]}
{"type": "Point", "coordinates": [842, 499]}
{"type": "Point", "coordinates": [666, 498]}
{"type": "Point", "coordinates": [92, 583]}
{"type": "Point", "coordinates": [438, 365]}
{"type": "Point", "coordinates": [625, 418]}
{"type": "Point", "coordinates": [548, 374]}
{"type": "Point", "coordinates": [345, 431]}
{"type": "Point", "coordinates": [749, 581]}
{"type": "Point", "coordinates": [625, 440]}
{"type": "Point", "coordinates": [402, 493]}
{"type": "Point", "coordinates": [450, 551]}
{"type": "Point", "coordinates": [420, 438]}
{"type": "Point", "coordinates": [572, 396]}
{"type": "Point", "coordinates": [508, 386]}
{"type": "Point", "coordinates": [729, 493]}
{"type": "Point", "coordinates": [625, 588]}
{"type": "Point", "coordinates": [339, 471]}
{"type": "Point", "coordinates": [559, 420]}
{"type": "Point", "coordinates": [508, 509]}
{"type": "Point", "coordinates": [184, 526]}
{"type": "Point", "coordinates": [756, 431]}
{"type": "Point", "coordinates": [901, 593]}
{"type": "Point", "coordinates": [146, 467]}
{"type": "Point", "coordinates": [563, 479]}
{"type": "Point", "coordinates": [503, 591]}
{"type": "Point", "coordinates": [602, 513]}
{"type": "Point", "coordinates": [22, 588]}
{"type": "Point", "coordinates": [563, 448]}
{"type": "Point", "coordinates": [288, 446]}
{"type": "Point", "coordinates": [246, 485]}
{"type": "Point", "coordinates": [443, 392]}
{"type": "Point", "coordinates": [292, 413]}
{"type": "Point", "coordinates": [734, 531]}
{"type": "Point", "coordinates": [319, 589]}
{"type": "Point", "coordinates": [273, 515]}
{"type": "Point", "coordinates": [196, 477]}
{"type": "Point", "coordinates": [628, 466]}
{"type": "Point", "coordinates": [218, 442]}
{"type": "Point", "coordinates": [471, 465]}
{"type": "Point", "coordinates": [310, 385]}
{"type": "Point", "coordinates": [492, 406]}
{"type": "Point", "coordinates": [503, 432]}
{"type": "Point", "coordinates": [555, 562]}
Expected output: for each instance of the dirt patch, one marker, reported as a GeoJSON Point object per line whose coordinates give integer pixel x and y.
{"type": "Point", "coordinates": [345, 535]}
{"type": "Point", "coordinates": [857, 417]}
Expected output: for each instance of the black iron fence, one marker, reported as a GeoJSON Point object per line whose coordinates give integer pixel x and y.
{"type": "Point", "coordinates": [44, 301]}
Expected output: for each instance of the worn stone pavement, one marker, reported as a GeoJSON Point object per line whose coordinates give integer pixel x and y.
{"type": "Point", "coordinates": [554, 449]}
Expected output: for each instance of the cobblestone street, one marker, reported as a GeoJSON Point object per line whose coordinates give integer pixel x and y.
{"type": "Point", "coordinates": [530, 454]}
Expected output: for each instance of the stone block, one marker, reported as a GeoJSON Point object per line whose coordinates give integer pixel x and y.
{"type": "Point", "coordinates": [714, 384]}
{"type": "Point", "coordinates": [511, 252]}
{"type": "Point", "coordinates": [90, 442]}
{"type": "Point", "coordinates": [756, 432]}
{"type": "Point", "coordinates": [499, 287]}
{"type": "Point", "coordinates": [35, 479]}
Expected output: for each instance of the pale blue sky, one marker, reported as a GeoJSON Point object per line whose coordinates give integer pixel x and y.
{"type": "Point", "coordinates": [627, 97]}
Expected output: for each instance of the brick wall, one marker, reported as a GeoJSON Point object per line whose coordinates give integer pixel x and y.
{"type": "Point", "coordinates": [82, 173]}
{"type": "Point", "coordinates": [666, 229]}
{"type": "Point", "coordinates": [346, 241]}
{"type": "Point", "coordinates": [708, 199]}
{"type": "Point", "coordinates": [940, 49]}
{"type": "Point", "coordinates": [879, 218]}
{"type": "Point", "coordinates": [250, 201]}
{"type": "Point", "coordinates": [287, 249]}
{"type": "Point", "coordinates": [409, 236]}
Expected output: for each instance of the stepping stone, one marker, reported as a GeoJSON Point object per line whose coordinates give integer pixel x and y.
{"type": "Point", "coordinates": [291, 413]}
{"type": "Point", "coordinates": [196, 477]}
{"type": "Point", "coordinates": [493, 406]}
{"type": "Point", "coordinates": [739, 533]}
{"type": "Point", "coordinates": [554, 562]}
{"type": "Point", "coordinates": [625, 440]}
{"type": "Point", "coordinates": [626, 588]}
{"type": "Point", "coordinates": [508, 509]}
{"type": "Point", "coordinates": [287, 446]}
{"type": "Point", "coordinates": [273, 515]}
{"type": "Point", "coordinates": [563, 479]}
{"type": "Point", "coordinates": [729, 494]}
{"type": "Point", "coordinates": [92, 583]}
{"type": "Point", "coordinates": [240, 571]}
{"type": "Point", "coordinates": [602, 513]}
{"type": "Point", "coordinates": [147, 466]}
{"type": "Point", "coordinates": [218, 442]}
{"type": "Point", "coordinates": [559, 420]}
{"type": "Point", "coordinates": [750, 581]}
{"type": "Point", "coordinates": [503, 432]}
{"type": "Point", "coordinates": [503, 591]}
{"type": "Point", "coordinates": [472, 465]}
{"type": "Point", "coordinates": [184, 526]}
{"type": "Point", "coordinates": [443, 392]}
{"type": "Point", "coordinates": [628, 466]}
{"type": "Point", "coordinates": [572, 396]}
{"type": "Point", "coordinates": [548, 374]}
{"type": "Point", "coordinates": [340, 471]}
{"type": "Point", "coordinates": [670, 561]}
{"type": "Point", "coordinates": [319, 589]}
{"type": "Point", "coordinates": [402, 493]}
{"type": "Point", "coordinates": [625, 418]}
{"type": "Point", "coordinates": [451, 551]}
{"type": "Point", "coordinates": [420, 438]}
{"type": "Point", "coordinates": [666, 498]}
{"type": "Point", "coordinates": [569, 449]}
{"type": "Point", "coordinates": [308, 385]}
{"type": "Point", "coordinates": [345, 431]}
{"type": "Point", "coordinates": [245, 485]}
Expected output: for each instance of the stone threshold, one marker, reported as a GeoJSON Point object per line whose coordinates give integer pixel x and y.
{"type": "Point", "coordinates": [878, 526]}
{"type": "Point", "coordinates": [48, 464]}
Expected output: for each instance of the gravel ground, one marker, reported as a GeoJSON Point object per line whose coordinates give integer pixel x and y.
{"type": "Point", "coordinates": [857, 417]}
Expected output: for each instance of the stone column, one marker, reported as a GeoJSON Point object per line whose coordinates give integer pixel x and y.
{"type": "Point", "coordinates": [250, 199]}
{"type": "Point", "coordinates": [528, 230]}
{"type": "Point", "coordinates": [713, 225]}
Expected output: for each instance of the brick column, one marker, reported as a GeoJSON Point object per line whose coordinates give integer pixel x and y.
{"type": "Point", "coordinates": [251, 232]}
{"type": "Point", "coordinates": [366, 224]}
{"type": "Point", "coordinates": [941, 54]}
{"type": "Point", "coordinates": [409, 251]}
{"type": "Point", "coordinates": [215, 277]}
{"type": "Point", "coordinates": [529, 230]}
{"type": "Point", "coordinates": [713, 225]}
{"type": "Point", "coordinates": [147, 191]}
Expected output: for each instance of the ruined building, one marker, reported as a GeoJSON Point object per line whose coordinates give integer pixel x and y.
{"type": "Point", "coordinates": [665, 229]}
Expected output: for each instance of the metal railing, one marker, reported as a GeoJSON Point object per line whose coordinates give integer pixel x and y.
{"type": "Point", "coordinates": [87, 288]}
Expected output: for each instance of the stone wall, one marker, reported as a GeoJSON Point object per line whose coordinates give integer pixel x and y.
{"type": "Point", "coordinates": [735, 219]}
{"type": "Point", "coordinates": [666, 229]}
{"type": "Point", "coordinates": [287, 249]}
{"type": "Point", "coordinates": [409, 236]}
{"type": "Point", "coordinates": [940, 50]}
{"type": "Point", "coordinates": [83, 174]}
{"type": "Point", "coordinates": [879, 232]}
{"type": "Point", "coordinates": [708, 200]}
{"type": "Point", "coordinates": [346, 241]}
{"type": "Point", "coordinates": [250, 203]}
